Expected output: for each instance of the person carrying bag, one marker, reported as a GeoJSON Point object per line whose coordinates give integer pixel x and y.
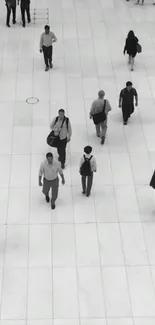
{"type": "Point", "coordinates": [53, 139]}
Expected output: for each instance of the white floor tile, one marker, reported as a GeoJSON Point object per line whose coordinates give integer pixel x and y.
{"type": "Point", "coordinates": [3, 240]}
{"type": "Point", "coordinates": [14, 294]}
{"type": "Point", "coordinates": [110, 245]}
{"type": "Point", "coordinates": [144, 321]}
{"type": "Point", "coordinates": [63, 245]}
{"type": "Point", "coordinates": [117, 300]}
{"type": "Point", "coordinates": [3, 205]}
{"type": "Point", "coordinates": [141, 285]}
{"type": "Point", "coordinates": [65, 308]}
{"type": "Point", "coordinates": [5, 162]}
{"type": "Point", "coordinates": [127, 208]}
{"type": "Point", "coordinates": [20, 163]}
{"type": "Point", "coordinates": [66, 322]}
{"type": "Point", "coordinates": [90, 292]}
{"type": "Point", "coordinates": [93, 321]}
{"type": "Point", "coordinates": [18, 206]}
{"type": "Point", "coordinates": [40, 246]}
{"type": "Point", "coordinates": [149, 233]}
{"type": "Point", "coordinates": [120, 321]}
{"type": "Point", "coordinates": [40, 293]}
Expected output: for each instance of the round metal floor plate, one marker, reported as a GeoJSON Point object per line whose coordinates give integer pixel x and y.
{"type": "Point", "coordinates": [32, 100]}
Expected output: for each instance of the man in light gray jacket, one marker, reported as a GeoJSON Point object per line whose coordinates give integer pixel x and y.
{"type": "Point", "coordinates": [100, 105]}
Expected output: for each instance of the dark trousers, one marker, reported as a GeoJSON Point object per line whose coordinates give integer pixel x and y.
{"type": "Point", "coordinates": [54, 185]}
{"type": "Point", "coordinates": [126, 112]}
{"type": "Point", "coordinates": [62, 150]}
{"type": "Point", "coordinates": [25, 9]}
{"type": "Point", "coordinates": [9, 10]}
{"type": "Point", "coordinates": [48, 52]}
{"type": "Point", "coordinates": [87, 182]}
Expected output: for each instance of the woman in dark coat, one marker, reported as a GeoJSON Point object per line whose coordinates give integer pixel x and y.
{"type": "Point", "coordinates": [131, 47]}
{"type": "Point", "coordinates": [152, 182]}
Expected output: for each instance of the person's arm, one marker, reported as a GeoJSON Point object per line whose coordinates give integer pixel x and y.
{"type": "Point", "coordinates": [52, 124]}
{"type": "Point", "coordinates": [81, 163]}
{"type": "Point", "coordinates": [125, 47]}
{"type": "Point", "coordinates": [136, 97]}
{"type": "Point", "coordinates": [61, 175]}
{"type": "Point", "coordinates": [92, 110]}
{"type": "Point", "coordinates": [41, 43]}
{"type": "Point", "coordinates": [69, 131]}
{"type": "Point", "coordinates": [94, 165]}
{"type": "Point", "coordinates": [108, 107]}
{"type": "Point", "coordinates": [54, 37]}
{"type": "Point", "coordinates": [41, 172]}
{"type": "Point", "coordinates": [120, 99]}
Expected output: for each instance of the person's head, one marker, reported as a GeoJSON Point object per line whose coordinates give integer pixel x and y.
{"type": "Point", "coordinates": [47, 29]}
{"type": "Point", "coordinates": [129, 85]}
{"type": "Point", "coordinates": [61, 113]}
{"type": "Point", "coordinates": [101, 94]}
{"type": "Point", "coordinates": [131, 34]}
{"type": "Point", "coordinates": [49, 157]}
{"type": "Point", "coordinates": [87, 150]}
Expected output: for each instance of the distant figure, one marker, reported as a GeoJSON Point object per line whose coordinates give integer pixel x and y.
{"type": "Point", "coordinates": [131, 48]}
{"type": "Point", "coordinates": [99, 113]}
{"type": "Point", "coordinates": [126, 101]}
{"type": "Point", "coordinates": [152, 182]}
{"type": "Point", "coordinates": [50, 170]}
{"type": "Point", "coordinates": [25, 7]}
{"type": "Point", "coordinates": [46, 41]}
{"type": "Point", "coordinates": [138, 2]}
{"type": "Point", "coordinates": [87, 168]}
{"type": "Point", "coordinates": [11, 7]}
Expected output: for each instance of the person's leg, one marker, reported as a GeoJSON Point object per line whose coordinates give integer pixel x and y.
{"type": "Point", "coordinates": [50, 56]}
{"type": "Point", "coordinates": [8, 15]}
{"type": "Point", "coordinates": [55, 189]}
{"type": "Point", "coordinates": [62, 152]}
{"type": "Point", "coordinates": [45, 50]}
{"type": "Point", "coordinates": [83, 180]}
{"type": "Point", "coordinates": [125, 115]}
{"type": "Point", "coordinates": [129, 60]}
{"type": "Point", "coordinates": [23, 15]}
{"type": "Point", "coordinates": [89, 184]}
{"type": "Point", "coordinates": [46, 189]}
{"type": "Point", "coordinates": [97, 130]}
{"type": "Point", "coordinates": [14, 15]}
{"type": "Point", "coordinates": [28, 13]}
{"type": "Point", "coordinates": [103, 131]}
{"type": "Point", "coordinates": [132, 63]}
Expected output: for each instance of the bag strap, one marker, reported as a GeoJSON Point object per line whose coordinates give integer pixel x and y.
{"type": "Point", "coordinates": [104, 105]}
{"type": "Point", "coordinates": [87, 159]}
{"type": "Point", "coordinates": [56, 120]}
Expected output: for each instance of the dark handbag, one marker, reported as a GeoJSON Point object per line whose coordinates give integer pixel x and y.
{"type": "Point", "coordinates": [52, 139]}
{"type": "Point", "coordinates": [152, 182]}
{"type": "Point", "coordinates": [139, 48]}
{"type": "Point", "coordinates": [101, 116]}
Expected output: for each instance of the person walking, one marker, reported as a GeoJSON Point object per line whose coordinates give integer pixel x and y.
{"type": "Point", "coordinates": [25, 8]}
{"type": "Point", "coordinates": [99, 113]}
{"type": "Point", "coordinates": [138, 2]}
{"type": "Point", "coordinates": [131, 48]}
{"type": "Point", "coordinates": [61, 126]}
{"type": "Point", "coordinates": [46, 46]}
{"type": "Point", "coordinates": [126, 101]}
{"type": "Point", "coordinates": [87, 168]}
{"type": "Point", "coordinates": [11, 7]}
{"type": "Point", "coordinates": [50, 170]}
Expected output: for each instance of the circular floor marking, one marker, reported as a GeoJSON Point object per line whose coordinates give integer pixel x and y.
{"type": "Point", "coordinates": [32, 100]}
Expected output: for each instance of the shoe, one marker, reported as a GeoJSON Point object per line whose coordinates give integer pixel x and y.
{"type": "Point", "coordinates": [83, 192]}
{"type": "Point", "coordinates": [29, 21]}
{"type": "Point", "coordinates": [53, 206]}
{"type": "Point", "coordinates": [88, 195]}
{"type": "Point", "coordinates": [51, 65]}
{"type": "Point", "coordinates": [132, 69]}
{"type": "Point", "coordinates": [47, 68]}
{"type": "Point", "coordinates": [23, 25]}
{"type": "Point", "coordinates": [59, 159]}
{"type": "Point", "coordinates": [98, 135]}
{"type": "Point", "coordinates": [14, 22]}
{"type": "Point", "coordinates": [125, 123]}
{"type": "Point", "coordinates": [62, 166]}
{"type": "Point", "coordinates": [7, 25]}
{"type": "Point", "coordinates": [47, 199]}
{"type": "Point", "coordinates": [102, 140]}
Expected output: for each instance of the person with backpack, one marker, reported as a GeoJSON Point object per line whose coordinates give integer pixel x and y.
{"type": "Point", "coordinates": [99, 113]}
{"type": "Point", "coordinates": [126, 101]}
{"type": "Point", "coordinates": [61, 127]}
{"type": "Point", "coordinates": [87, 168]}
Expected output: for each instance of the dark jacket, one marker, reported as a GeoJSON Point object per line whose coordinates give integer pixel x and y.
{"type": "Point", "coordinates": [152, 182]}
{"type": "Point", "coordinates": [131, 46]}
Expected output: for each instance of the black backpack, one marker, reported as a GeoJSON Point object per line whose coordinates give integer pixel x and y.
{"type": "Point", "coordinates": [85, 169]}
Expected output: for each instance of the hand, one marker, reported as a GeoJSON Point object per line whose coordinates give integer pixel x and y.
{"type": "Point", "coordinates": [41, 50]}
{"type": "Point", "coordinates": [136, 104]}
{"type": "Point", "coordinates": [90, 116]}
{"type": "Point", "coordinates": [68, 140]}
{"type": "Point", "coordinates": [124, 52]}
{"type": "Point", "coordinates": [120, 106]}
{"type": "Point", "coordinates": [40, 184]}
{"type": "Point", "coordinates": [63, 181]}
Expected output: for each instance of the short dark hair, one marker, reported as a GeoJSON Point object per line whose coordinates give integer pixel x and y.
{"type": "Point", "coordinates": [61, 110]}
{"type": "Point", "coordinates": [88, 150]}
{"type": "Point", "coordinates": [47, 27]}
{"type": "Point", "coordinates": [49, 155]}
{"type": "Point", "coordinates": [128, 83]}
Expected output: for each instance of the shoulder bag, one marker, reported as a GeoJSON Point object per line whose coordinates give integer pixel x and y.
{"type": "Point", "coordinates": [101, 116]}
{"type": "Point", "coordinates": [52, 139]}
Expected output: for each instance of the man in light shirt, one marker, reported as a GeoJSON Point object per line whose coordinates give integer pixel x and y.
{"type": "Point", "coordinates": [46, 41]}
{"type": "Point", "coordinates": [97, 107]}
{"type": "Point", "coordinates": [50, 170]}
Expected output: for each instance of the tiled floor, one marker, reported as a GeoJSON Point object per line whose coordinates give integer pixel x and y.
{"type": "Point", "coordinates": [91, 261]}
